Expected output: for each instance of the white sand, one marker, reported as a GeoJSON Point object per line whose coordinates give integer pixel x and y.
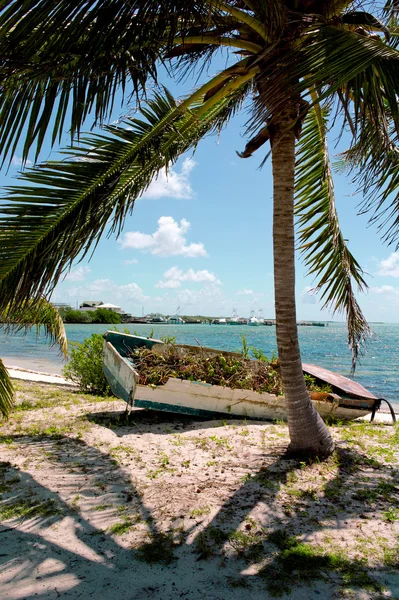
{"type": "Point", "coordinates": [183, 479]}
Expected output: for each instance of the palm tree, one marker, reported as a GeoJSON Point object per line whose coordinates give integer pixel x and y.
{"type": "Point", "coordinates": [40, 313]}
{"type": "Point", "coordinates": [296, 64]}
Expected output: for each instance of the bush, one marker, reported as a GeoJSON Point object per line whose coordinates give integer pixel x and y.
{"type": "Point", "coordinates": [105, 315]}
{"type": "Point", "coordinates": [76, 316]}
{"type": "Point", "coordinates": [85, 366]}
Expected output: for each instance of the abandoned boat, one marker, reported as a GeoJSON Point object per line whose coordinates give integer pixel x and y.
{"type": "Point", "coordinates": [348, 399]}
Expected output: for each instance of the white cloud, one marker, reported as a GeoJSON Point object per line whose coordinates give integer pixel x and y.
{"type": "Point", "coordinates": [390, 266]}
{"type": "Point", "coordinates": [18, 162]}
{"type": "Point", "coordinates": [174, 276]}
{"type": "Point", "coordinates": [168, 240]}
{"type": "Point", "coordinates": [132, 261]}
{"type": "Point", "coordinates": [308, 296]}
{"type": "Point", "coordinates": [245, 292]}
{"type": "Point", "coordinates": [171, 184]}
{"type": "Point", "coordinates": [78, 274]}
{"type": "Point", "coordinates": [388, 290]}
{"type": "Point", "coordinates": [206, 300]}
{"type": "Point", "coordinates": [107, 290]}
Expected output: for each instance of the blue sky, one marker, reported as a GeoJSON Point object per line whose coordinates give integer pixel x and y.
{"type": "Point", "coordinates": [201, 239]}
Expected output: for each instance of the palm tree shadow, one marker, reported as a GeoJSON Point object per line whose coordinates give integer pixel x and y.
{"type": "Point", "coordinates": [95, 556]}
{"type": "Point", "coordinates": [277, 540]}
{"type": "Point", "coordinates": [252, 527]}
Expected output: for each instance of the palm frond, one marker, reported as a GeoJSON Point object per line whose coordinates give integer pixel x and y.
{"type": "Point", "coordinates": [65, 207]}
{"type": "Point", "coordinates": [54, 69]}
{"type": "Point", "coordinates": [373, 161]}
{"type": "Point", "coordinates": [6, 391]}
{"type": "Point", "coordinates": [333, 59]}
{"type": "Point", "coordinates": [55, 73]}
{"type": "Point", "coordinates": [40, 314]}
{"type": "Point", "coordinates": [336, 58]}
{"type": "Point", "coordinates": [321, 241]}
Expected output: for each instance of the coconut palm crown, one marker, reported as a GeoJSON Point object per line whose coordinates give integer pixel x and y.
{"type": "Point", "coordinates": [297, 65]}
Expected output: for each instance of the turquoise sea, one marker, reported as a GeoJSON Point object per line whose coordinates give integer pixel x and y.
{"type": "Point", "coordinates": [378, 368]}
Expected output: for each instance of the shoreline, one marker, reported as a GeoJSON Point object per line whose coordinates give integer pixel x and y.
{"type": "Point", "coordinates": [38, 365]}
{"type": "Point", "coordinates": [326, 347]}
{"type": "Point", "coordinates": [21, 369]}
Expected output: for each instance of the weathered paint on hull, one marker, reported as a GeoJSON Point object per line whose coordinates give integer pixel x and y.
{"type": "Point", "coordinates": [201, 399]}
{"type": "Point", "coordinates": [119, 372]}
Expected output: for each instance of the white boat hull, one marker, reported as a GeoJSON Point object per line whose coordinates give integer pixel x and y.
{"type": "Point", "coordinates": [203, 399]}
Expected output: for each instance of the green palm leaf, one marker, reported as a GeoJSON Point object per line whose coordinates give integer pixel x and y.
{"type": "Point", "coordinates": [41, 314]}
{"type": "Point", "coordinates": [321, 241]}
{"type": "Point", "coordinates": [373, 160]}
{"type": "Point", "coordinates": [55, 73]}
{"type": "Point", "coordinates": [67, 205]}
{"type": "Point", "coordinates": [6, 391]}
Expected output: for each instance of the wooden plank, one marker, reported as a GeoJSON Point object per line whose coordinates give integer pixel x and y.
{"type": "Point", "coordinates": [339, 382]}
{"type": "Point", "coordinates": [125, 344]}
{"type": "Point", "coordinates": [119, 372]}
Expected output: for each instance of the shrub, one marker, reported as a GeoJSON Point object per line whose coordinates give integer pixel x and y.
{"type": "Point", "coordinates": [100, 315]}
{"type": "Point", "coordinates": [85, 366]}
{"type": "Point", "coordinates": [105, 315]}
{"type": "Point", "coordinates": [76, 316]}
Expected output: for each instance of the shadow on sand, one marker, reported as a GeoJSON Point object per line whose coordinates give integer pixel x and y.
{"type": "Point", "coordinates": [255, 546]}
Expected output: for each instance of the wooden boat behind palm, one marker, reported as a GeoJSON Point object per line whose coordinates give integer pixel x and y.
{"type": "Point", "coordinates": [348, 399]}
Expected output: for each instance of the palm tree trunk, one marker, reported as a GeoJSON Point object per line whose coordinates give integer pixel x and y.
{"type": "Point", "coordinates": [308, 432]}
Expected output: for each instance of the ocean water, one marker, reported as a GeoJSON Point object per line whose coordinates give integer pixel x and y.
{"type": "Point", "coordinates": [377, 370]}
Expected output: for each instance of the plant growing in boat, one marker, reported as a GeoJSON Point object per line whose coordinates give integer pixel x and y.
{"type": "Point", "coordinates": [234, 371]}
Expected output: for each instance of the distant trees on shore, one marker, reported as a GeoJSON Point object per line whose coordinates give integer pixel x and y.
{"type": "Point", "coordinates": [100, 315]}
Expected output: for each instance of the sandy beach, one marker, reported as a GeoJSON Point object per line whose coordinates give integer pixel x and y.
{"type": "Point", "coordinates": [33, 364]}
{"type": "Point", "coordinates": [160, 506]}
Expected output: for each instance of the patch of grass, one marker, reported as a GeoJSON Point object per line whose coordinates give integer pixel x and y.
{"type": "Point", "coordinates": [123, 452]}
{"type": "Point", "coordinates": [247, 544]}
{"type": "Point", "coordinates": [161, 549]}
{"type": "Point", "coordinates": [163, 462]}
{"type": "Point", "coordinates": [177, 440]}
{"type": "Point", "coordinates": [310, 493]}
{"type": "Point", "coordinates": [55, 430]}
{"type": "Point", "coordinates": [383, 490]}
{"type": "Point", "coordinates": [333, 489]}
{"type": "Point", "coordinates": [121, 527]}
{"type": "Point", "coordinates": [101, 507]}
{"type": "Point", "coordinates": [391, 515]}
{"type": "Point", "coordinates": [300, 561]}
{"type": "Point", "coordinates": [391, 557]}
{"type": "Point", "coordinates": [292, 477]}
{"type": "Point", "coordinates": [199, 512]}
{"type": "Point", "coordinates": [75, 502]}
{"type": "Point", "coordinates": [4, 439]}
{"type": "Point", "coordinates": [27, 509]}
{"type": "Point", "coordinates": [101, 485]}
{"type": "Point", "coordinates": [220, 441]}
